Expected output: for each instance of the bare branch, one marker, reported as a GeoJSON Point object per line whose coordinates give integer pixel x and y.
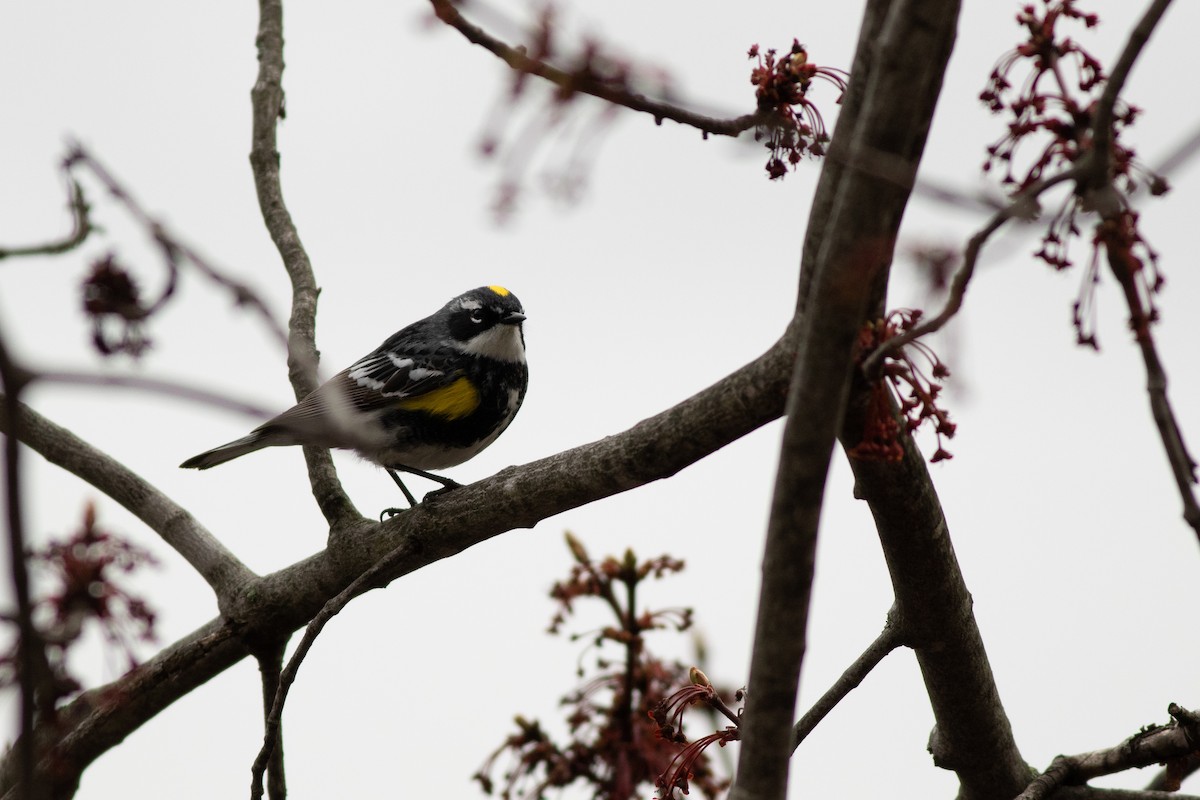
{"type": "Point", "coordinates": [219, 567]}
{"type": "Point", "coordinates": [894, 84]}
{"type": "Point", "coordinates": [1183, 466]}
{"type": "Point", "coordinates": [172, 247]}
{"type": "Point", "coordinates": [277, 604]}
{"type": "Point", "coordinates": [1152, 745]}
{"type": "Point", "coordinates": [372, 578]}
{"type": "Point", "coordinates": [1102, 127]}
{"type": "Point", "coordinates": [267, 101]}
{"type": "Point", "coordinates": [1093, 793]}
{"type": "Point", "coordinates": [270, 666]}
{"type": "Point", "coordinates": [888, 640]}
{"type": "Point", "coordinates": [1023, 206]}
{"type": "Point", "coordinates": [81, 228]}
{"type": "Point", "coordinates": [613, 90]}
{"type": "Point", "coordinates": [169, 388]}
{"type": "Point", "coordinates": [1179, 155]}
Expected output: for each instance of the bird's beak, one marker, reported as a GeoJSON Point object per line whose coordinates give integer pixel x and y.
{"type": "Point", "coordinates": [515, 318]}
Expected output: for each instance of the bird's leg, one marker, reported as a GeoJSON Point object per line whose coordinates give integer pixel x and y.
{"type": "Point", "coordinates": [412, 501]}
{"type": "Point", "coordinates": [447, 483]}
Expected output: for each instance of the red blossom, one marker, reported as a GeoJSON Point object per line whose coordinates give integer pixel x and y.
{"type": "Point", "coordinates": [796, 128]}
{"type": "Point", "coordinates": [614, 746]}
{"type": "Point", "coordinates": [917, 392]}
{"type": "Point", "coordinates": [1054, 113]}
{"type": "Point", "coordinates": [84, 589]}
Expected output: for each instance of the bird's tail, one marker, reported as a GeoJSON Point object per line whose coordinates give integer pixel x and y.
{"type": "Point", "coordinates": [257, 440]}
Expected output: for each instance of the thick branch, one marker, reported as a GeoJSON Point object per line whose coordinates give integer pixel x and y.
{"type": "Point", "coordinates": [1151, 746]}
{"type": "Point", "coordinates": [880, 136]}
{"type": "Point", "coordinates": [267, 101]}
{"type": "Point", "coordinates": [217, 565]}
{"type": "Point", "coordinates": [973, 736]}
{"type": "Point", "coordinates": [516, 497]}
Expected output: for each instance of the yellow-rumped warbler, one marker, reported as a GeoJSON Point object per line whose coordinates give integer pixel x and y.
{"type": "Point", "coordinates": [430, 397]}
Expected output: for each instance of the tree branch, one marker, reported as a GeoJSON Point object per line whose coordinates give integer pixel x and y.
{"type": "Point", "coordinates": [372, 578]}
{"type": "Point", "coordinates": [81, 228]}
{"type": "Point", "coordinates": [1102, 134]}
{"type": "Point", "coordinates": [270, 666]}
{"type": "Point", "coordinates": [267, 101]}
{"type": "Point", "coordinates": [172, 247]}
{"type": "Point", "coordinates": [880, 136]}
{"type": "Point", "coordinates": [1151, 745]}
{"type": "Point", "coordinates": [615, 90]}
{"type": "Point", "coordinates": [516, 497]}
{"type": "Point", "coordinates": [888, 640]}
{"type": "Point", "coordinates": [1023, 205]}
{"type": "Point", "coordinates": [178, 528]}
{"type": "Point", "coordinates": [1125, 269]}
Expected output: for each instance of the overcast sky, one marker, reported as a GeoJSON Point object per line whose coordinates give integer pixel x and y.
{"type": "Point", "coordinates": [677, 264]}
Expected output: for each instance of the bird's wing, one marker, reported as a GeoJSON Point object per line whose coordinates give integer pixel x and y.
{"type": "Point", "coordinates": [375, 382]}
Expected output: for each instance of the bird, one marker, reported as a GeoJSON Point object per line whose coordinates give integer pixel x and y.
{"type": "Point", "coordinates": [430, 397]}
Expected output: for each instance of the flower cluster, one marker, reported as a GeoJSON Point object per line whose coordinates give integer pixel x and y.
{"type": "Point", "coordinates": [1055, 111]}
{"type": "Point", "coordinates": [795, 127]}
{"type": "Point", "coordinates": [917, 392]}
{"type": "Point", "coordinates": [83, 572]}
{"type": "Point", "coordinates": [668, 714]}
{"type": "Point", "coordinates": [615, 746]}
{"type": "Point", "coordinates": [112, 301]}
{"type": "Point", "coordinates": [1049, 105]}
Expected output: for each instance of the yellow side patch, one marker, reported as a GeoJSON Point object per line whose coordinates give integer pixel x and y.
{"type": "Point", "coordinates": [500, 290]}
{"type": "Point", "coordinates": [453, 401]}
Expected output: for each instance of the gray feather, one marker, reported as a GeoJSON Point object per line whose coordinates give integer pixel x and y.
{"type": "Point", "coordinates": [227, 452]}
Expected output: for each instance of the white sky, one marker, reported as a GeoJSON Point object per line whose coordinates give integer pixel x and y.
{"type": "Point", "coordinates": [678, 266]}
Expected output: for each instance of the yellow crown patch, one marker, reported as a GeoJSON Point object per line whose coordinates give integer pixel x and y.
{"type": "Point", "coordinates": [500, 290]}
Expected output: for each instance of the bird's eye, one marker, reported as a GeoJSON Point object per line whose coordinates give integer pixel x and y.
{"type": "Point", "coordinates": [477, 317]}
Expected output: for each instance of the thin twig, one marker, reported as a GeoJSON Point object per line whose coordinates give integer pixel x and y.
{"type": "Point", "coordinates": [170, 388]}
{"type": "Point", "coordinates": [173, 247]}
{"type": "Point", "coordinates": [613, 90]}
{"type": "Point", "coordinates": [888, 640]}
{"type": "Point", "coordinates": [81, 228]}
{"type": "Point", "coordinates": [371, 578]}
{"type": "Point", "coordinates": [1023, 206]}
{"type": "Point", "coordinates": [1183, 466]}
{"type": "Point", "coordinates": [267, 105]}
{"type": "Point", "coordinates": [270, 666]}
{"type": "Point", "coordinates": [1151, 745]}
{"type": "Point", "coordinates": [1103, 119]}
{"type": "Point", "coordinates": [1178, 155]}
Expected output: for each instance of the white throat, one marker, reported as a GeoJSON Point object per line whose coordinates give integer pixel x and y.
{"type": "Point", "coordinates": [501, 342]}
